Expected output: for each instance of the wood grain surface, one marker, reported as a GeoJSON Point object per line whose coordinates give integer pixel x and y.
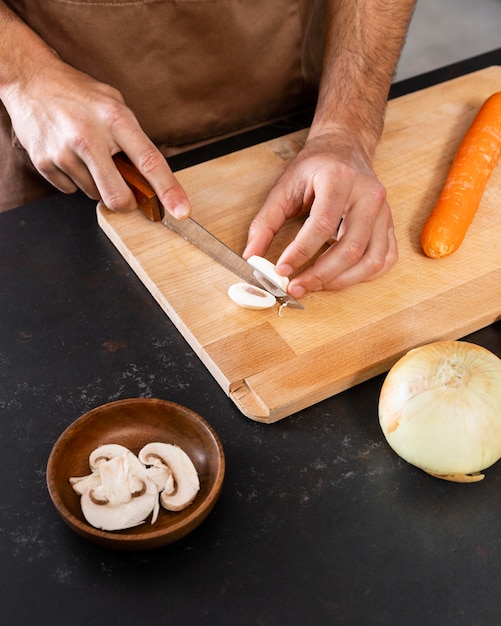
{"type": "Point", "coordinates": [274, 365]}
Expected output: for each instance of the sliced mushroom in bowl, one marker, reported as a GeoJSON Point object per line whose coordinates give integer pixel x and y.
{"type": "Point", "coordinates": [132, 424]}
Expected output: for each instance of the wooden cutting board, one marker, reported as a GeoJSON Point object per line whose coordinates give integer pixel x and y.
{"type": "Point", "coordinates": [272, 366]}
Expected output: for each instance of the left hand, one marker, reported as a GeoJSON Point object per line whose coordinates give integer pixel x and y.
{"type": "Point", "coordinates": [332, 180]}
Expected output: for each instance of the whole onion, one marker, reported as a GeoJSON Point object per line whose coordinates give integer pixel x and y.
{"type": "Point", "coordinates": [440, 409]}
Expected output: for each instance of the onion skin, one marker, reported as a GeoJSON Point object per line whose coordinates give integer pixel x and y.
{"type": "Point", "coordinates": [440, 409]}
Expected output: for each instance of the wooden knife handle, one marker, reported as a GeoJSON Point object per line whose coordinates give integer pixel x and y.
{"type": "Point", "coordinates": [146, 198]}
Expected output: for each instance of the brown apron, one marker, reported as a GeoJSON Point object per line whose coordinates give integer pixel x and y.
{"type": "Point", "coordinates": [191, 70]}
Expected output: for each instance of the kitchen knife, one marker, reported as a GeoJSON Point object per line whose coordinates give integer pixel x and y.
{"type": "Point", "coordinates": [195, 233]}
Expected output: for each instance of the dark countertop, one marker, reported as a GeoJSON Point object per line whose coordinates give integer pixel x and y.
{"type": "Point", "coordinates": [319, 522]}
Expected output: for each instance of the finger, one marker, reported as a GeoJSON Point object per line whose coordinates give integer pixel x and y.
{"type": "Point", "coordinates": [320, 226]}
{"type": "Point", "coordinates": [111, 187]}
{"type": "Point", "coordinates": [60, 181]}
{"type": "Point", "coordinates": [80, 176]}
{"type": "Point", "coordinates": [97, 176]}
{"type": "Point", "coordinates": [108, 183]}
{"type": "Point", "coordinates": [279, 205]}
{"type": "Point", "coordinates": [337, 269]}
{"type": "Point", "coordinates": [55, 176]}
{"type": "Point", "coordinates": [154, 167]}
{"type": "Point", "coordinates": [363, 240]}
{"type": "Point", "coordinates": [380, 256]}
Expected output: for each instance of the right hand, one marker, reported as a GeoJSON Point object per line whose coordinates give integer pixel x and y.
{"type": "Point", "coordinates": [71, 126]}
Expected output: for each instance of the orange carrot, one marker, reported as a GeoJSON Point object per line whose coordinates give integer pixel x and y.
{"type": "Point", "coordinates": [464, 187]}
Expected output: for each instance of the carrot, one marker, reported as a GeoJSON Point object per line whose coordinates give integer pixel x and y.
{"type": "Point", "coordinates": [465, 183]}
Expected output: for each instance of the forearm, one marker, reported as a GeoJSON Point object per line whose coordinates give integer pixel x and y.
{"type": "Point", "coordinates": [21, 50]}
{"type": "Point", "coordinates": [364, 39]}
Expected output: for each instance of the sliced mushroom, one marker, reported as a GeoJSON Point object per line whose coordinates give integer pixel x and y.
{"type": "Point", "coordinates": [105, 453]}
{"type": "Point", "coordinates": [118, 494]}
{"type": "Point", "coordinates": [186, 483]}
{"type": "Point", "coordinates": [161, 475]}
{"type": "Point", "coordinates": [122, 489]}
{"type": "Point", "coordinates": [84, 483]}
{"type": "Point", "coordinates": [120, 478]}
{"type": "Point", "coordinates": [268, 269]}
{"type": "Point", "coordinates": [250, 297]}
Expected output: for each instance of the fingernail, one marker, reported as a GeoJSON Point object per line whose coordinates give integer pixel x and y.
{"type": "Point", "coordinates": [181, 211]}
{"type": "Point", "coordinates": [296, 291]}
{"type": "Point", "coordinates": [284, 269]}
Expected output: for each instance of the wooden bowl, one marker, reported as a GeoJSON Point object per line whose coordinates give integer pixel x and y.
{"type": "Point", "coordinates": [134, 423]}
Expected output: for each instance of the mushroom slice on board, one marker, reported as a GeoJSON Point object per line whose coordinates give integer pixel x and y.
{"type": "Point", "coordinates": [250, 297]}
{"type": "Point", "coordinates": [181, 489]}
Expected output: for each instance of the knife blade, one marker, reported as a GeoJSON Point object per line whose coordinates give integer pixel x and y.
{"type": "Point", "coordinates": [195, 233]}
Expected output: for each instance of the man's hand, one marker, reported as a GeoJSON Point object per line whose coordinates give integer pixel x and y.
{"type": "Point", "coordinates": [345, 202]}
{"type": "Point", "coordinates": [332, 177]}
{"type": "Point", "coordinates": [71, 125]}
